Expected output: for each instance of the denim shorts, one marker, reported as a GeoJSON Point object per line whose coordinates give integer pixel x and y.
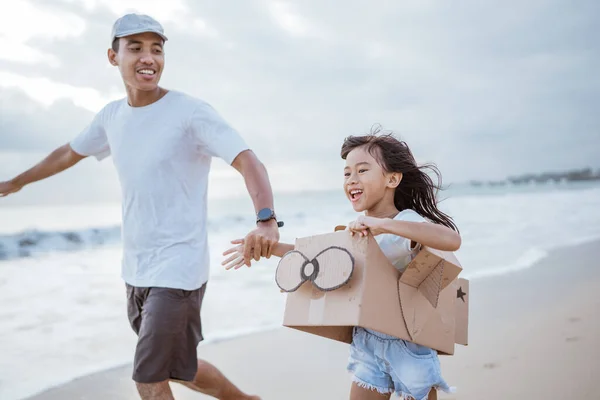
{"type": "Point", "coordinates": [388, 364]}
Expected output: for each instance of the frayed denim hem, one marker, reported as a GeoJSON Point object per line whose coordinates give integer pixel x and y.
{"type": "Point", "coordinates": [368, 386]}
{"type": "Point", "coordinates": [447, 389]}
{"type": "Point", "coordinates": [404, 396]}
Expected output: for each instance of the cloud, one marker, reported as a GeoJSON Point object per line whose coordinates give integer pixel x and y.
{"type": "Point", "coordinates": [27, 125]}
{"type": "Point", "coordinates": [482, 89]}
{"type": "Point", "coordinates": [47, 92]}
{"type": "Point", "coordinates": [26, 23]}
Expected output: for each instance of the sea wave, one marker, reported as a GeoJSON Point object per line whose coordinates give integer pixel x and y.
{"type": "Point", "coordinates": [34, 242]}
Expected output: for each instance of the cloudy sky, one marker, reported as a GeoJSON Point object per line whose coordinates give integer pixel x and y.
{"type": "Point", "coordinates": [483, 88]}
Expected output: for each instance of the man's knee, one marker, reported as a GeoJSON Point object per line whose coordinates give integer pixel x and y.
{"type": "Point", "coordinates": [155, 391]}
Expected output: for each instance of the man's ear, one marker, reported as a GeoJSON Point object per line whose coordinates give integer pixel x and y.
{"type": "Point", "coordinates": [112, 57]}
{"type": "Point", "coordinates": [394, 179]}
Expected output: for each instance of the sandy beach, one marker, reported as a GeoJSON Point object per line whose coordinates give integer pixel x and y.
{"type": "Point", "coordinates": [532, 336]}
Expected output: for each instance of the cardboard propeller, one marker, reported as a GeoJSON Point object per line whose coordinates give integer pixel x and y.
{"type": "Point", "coordinates": [328, 270]}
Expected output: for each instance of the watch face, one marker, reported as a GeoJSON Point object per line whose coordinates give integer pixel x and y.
{"type": "Point", "coordinates": [265, 214]}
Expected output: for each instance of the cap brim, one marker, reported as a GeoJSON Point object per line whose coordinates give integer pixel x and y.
{"type": "Point", "coordinates": [136, 31]}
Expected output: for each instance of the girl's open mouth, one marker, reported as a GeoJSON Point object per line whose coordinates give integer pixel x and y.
{"type": "Point", "coordinates": [355, 194]}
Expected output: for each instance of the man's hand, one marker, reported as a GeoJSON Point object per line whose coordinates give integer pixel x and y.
{"type": "Point", "coordinates": [260, 242]}
{"type": "Point", "coordinates": [8, 187]}
{"type": "Point", "coordinates": [364, 224]}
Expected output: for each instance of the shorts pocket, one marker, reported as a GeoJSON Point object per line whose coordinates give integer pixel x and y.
{"type": "Point", "coordinates": [129, 291]}
{"type": "Point", "coordinates": [176, 294]}
{"type": "Point", "coordinates": [417, 350]}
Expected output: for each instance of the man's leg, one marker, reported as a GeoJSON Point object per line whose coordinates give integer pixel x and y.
{"type": "Point", "coordinates": [136, 298]}
{"type": "Point", "coordinates": [209, 380]}
{"type": "Point", "coordinates": [155, 391]}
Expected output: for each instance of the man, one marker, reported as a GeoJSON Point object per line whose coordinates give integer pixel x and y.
{"type": "Point", "coordinates": [162, 143]}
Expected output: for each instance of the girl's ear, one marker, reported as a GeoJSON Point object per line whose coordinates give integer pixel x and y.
{"type": "Point", "coordinates": [394, 179]}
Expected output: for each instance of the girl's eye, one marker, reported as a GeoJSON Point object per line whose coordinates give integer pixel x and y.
{"type": "Point", "coordinates": [134, 48]}
{"type": "Point", "coordinates": [362, 170]}
{"type": "Point", "coordinates": [346, 174]}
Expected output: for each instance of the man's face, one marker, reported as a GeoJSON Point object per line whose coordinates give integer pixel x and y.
{"type": "Point", "coordinates": [140, 60]}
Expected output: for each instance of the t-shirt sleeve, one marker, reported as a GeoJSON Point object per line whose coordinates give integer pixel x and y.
{"type": "Point", "coordinates": [410, 216]}
{"type": "Point", "coordinates": [213, 135]}
{"type": "Point", "coordinates": [92, 141]}
{"type": "Point", "coordinates": [403, 245]}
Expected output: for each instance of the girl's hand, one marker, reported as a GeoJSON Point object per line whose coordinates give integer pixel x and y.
{"type": "Point", "coordinates": [364, 224]}
{"type": "Point", "coordinates": [236, 260]}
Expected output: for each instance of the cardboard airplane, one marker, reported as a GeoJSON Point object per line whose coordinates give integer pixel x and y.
{"type": "Point", "coordinates": [336, 281]}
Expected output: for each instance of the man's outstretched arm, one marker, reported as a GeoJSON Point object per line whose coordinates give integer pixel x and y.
{"type": "Point", "coordinates": [59, 160]}
{"type": "Point", "coordinates": [259, 242]}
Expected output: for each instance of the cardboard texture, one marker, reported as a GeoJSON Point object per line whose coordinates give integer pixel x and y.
{"type": "Point", "coordinates": [336, 281]}
{"type": "Point", "coordinates": [462, 311]}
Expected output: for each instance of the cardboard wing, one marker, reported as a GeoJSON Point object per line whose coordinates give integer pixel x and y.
{"type": "Point", "coordinates": [337, 281]}
{"type": "Point", "coordinates": [419, 290]}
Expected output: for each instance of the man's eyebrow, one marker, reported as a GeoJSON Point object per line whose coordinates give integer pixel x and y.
{"type": "Point", "coordinates": [133, 41]}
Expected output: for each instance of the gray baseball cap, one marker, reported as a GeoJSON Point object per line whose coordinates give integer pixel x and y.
{"type": "Point", "coordinates": [131, 24]}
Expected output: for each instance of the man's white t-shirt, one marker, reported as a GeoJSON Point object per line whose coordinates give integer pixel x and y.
{"type": "Point", "coordinates": [162, 153]}
{"type": "Point", "coordinates": [396, 248]}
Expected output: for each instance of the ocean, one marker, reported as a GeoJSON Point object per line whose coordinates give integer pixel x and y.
{"type": "Point", "coordinates": [63, 315]}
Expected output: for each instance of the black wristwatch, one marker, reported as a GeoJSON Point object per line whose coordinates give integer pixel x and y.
{"type": "Point", "coordinates": [267, 214]}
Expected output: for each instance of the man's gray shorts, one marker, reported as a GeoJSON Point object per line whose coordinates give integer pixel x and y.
{"type": "Point", "coordinates": [167, 322]}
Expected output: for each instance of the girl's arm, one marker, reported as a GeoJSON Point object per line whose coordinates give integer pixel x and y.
{"type": "Point", "coordinates": [236, 260]}
{"type": "Point", "coordinates": [281, 248]}
{"type": "Point", "coordinates": [427, 234]}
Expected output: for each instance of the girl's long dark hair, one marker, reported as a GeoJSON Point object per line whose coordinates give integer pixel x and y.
{"type": "Point", "coordinates": [417, 190]}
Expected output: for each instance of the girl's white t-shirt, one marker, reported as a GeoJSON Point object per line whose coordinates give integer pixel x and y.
{"type": "Point", "coordinates": [396, 248]}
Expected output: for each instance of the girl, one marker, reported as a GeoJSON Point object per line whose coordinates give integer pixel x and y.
{"type": "Point", "coordinates": [382, 179]}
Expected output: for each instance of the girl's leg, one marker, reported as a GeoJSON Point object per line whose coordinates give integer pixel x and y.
{"type": "Point", "coordinates": [432, 394]}
{"type": "Point", "coordinates": [360, 393]}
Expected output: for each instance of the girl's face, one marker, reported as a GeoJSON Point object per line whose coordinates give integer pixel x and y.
{"type": "Point", "coordinates": [367, 185]}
